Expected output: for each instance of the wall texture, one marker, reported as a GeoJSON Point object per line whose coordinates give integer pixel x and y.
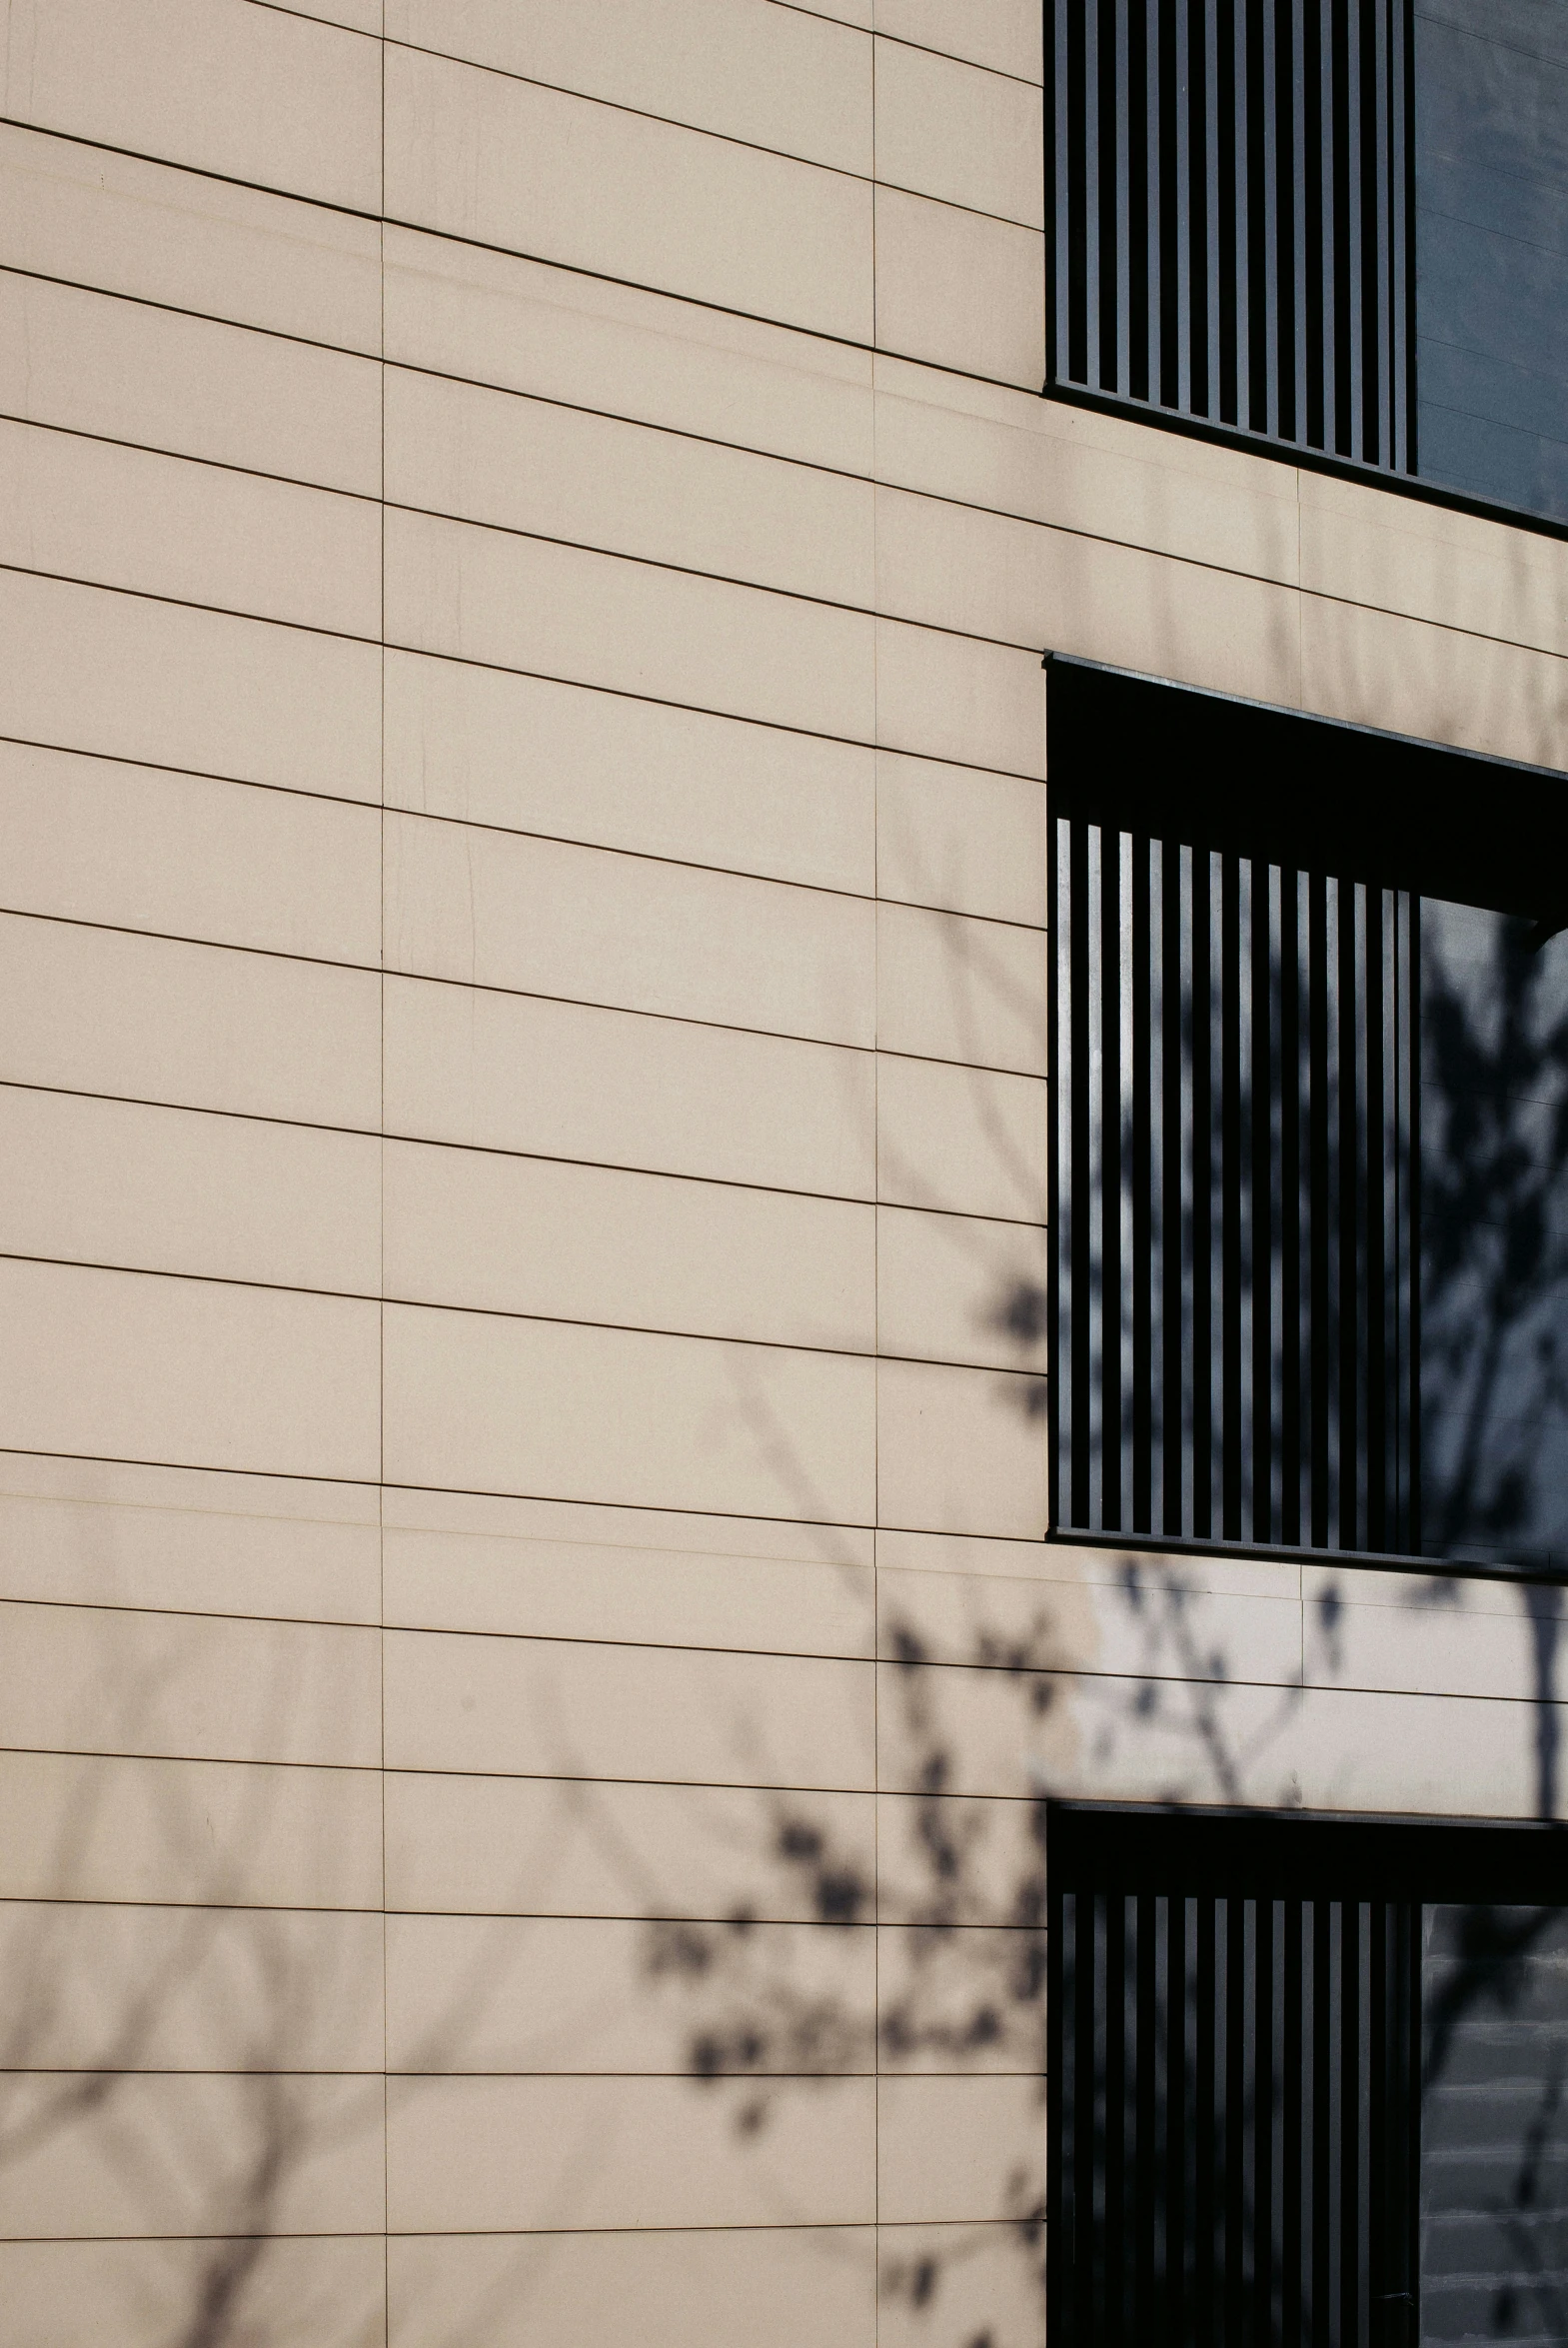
{"type": "Point", "coordinates": [528, 534]}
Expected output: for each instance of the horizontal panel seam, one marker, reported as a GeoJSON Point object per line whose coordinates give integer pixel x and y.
{"type": "Point", "coordinates": [871, 614]}
{"type": "Point", "coordinates": [514, 995]}
{"type": "Point", "coordinates": [627, 1328]}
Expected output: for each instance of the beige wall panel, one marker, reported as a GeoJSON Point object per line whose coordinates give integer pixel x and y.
{"type": "Point", "coordinates": [252, 92]}
{"type": "Point", "coordinates": [359, 16]}
{"type": "Point", "coordinates": [940, 1991]}
{"type": "Point", "coordinates": [959, 290]}
{"type": "Point", "coordinates": [92, 840]}
{"type": "Point", "coordinates": [989, 2282]}
{"type": "Point", "coordinates": [483, 1403]}
{"type": "Point", "coordinates": [1378, 669]}
{"type": "Point", "coordinates": [131, 1366]}
{"type": "Point", "coordinates": [950, 1287]}
{"type": "Point", "coordinates": [959, 1451]}
{"type": "Point", "coordinates": [537, 1846]}
{"type": "Point", "coordinates": [544, 917]}
{"type": "Point", "coordinates": [504, 2154]}
{"type": "Point", "coordinates": [562, 1570]}
{"type": "Point", "coordinates": [948, 988]}
{"type": "Point", "coordinates": [139, 228]}
{"type": "Point", "coordinates": [195, 1687]}
{"type": "Point", "coordinates": [856, 12]}
{"type": "Point", "coordinates": [1329, 1749]}
{"type": "Point", "coordinates": [199, 1024]}
{"type": "Point", "coordinates": [957, 838]}
{"type": "Point", "coordinates": [771, 77]}
{"type": "Point", "coordinates": [952, 696]}
{"type": "Point", "coordinates": [188, 2155]}
{"type": "Point", "coordinates": [952, 2148]}
{"type": "Point", "coordinates": [1405, 554]}
{"type": "Point", "coordinates": [1092, 1567]}
{"type": "Point", "coordinates": [130, 371]}
{"type": "Point", "coordinates": [556, 471]}
{"type": "Point", "coordinates": [576, 1994]}
{"type": "Point", "coordinates": [1001, 34]}
{"type": "Point", "coordinates": [966, 1140]}
{"type": "Point", "coordinates": [118, 1989]}
{"type": "Point", "coordinates": [1015, 453]}
{"type": "Point", "coordinates": [594, 619]}
{"type": "Point", "coordinates": [527, 755]}
{"type": "Point", "coordinates": [127, 676]}
{"type": "Point", "coordinates": [1003, 1873]}
{"type": "Point", "coordinates": [1020, 1734]}
{"type": "Point", "coordinates": [561, 334]}
{"type": "Point", "coordinates": [771, 2287]}
{"type": "Point", "coordinates": [969, 137]}
{"type": "Point", "coordinates": [90, 1531]}
{"type": "Point", "coordinates": [118, 517]}
{"type": "Point", "coordinates": [168, 1189]}
{"type": "Point", "coordinates": [506, 163]}
{"type": "Point", "coordinates": [576, 1243]}
{"type": "Point", "coordinates": [572, 1082]}
{"type": "Point", "coordinates": [554, 1708]}
{"type": "Point", "coordinates": [1445, 1636]}
{"type": "Point", "coordinates": [300, 2293]}
{"type": "Point", "coordinates": [208, 1834]}
{"type": "Point", "coordinates": [951, 565]}
{"type": "Point", "coordinates": [1150, 1625]}
{"type": "Point", "coordinates": [1445, 1756]}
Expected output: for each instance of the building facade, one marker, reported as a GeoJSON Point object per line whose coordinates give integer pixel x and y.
{"type": "Point", "coordinates": [781, 1126]}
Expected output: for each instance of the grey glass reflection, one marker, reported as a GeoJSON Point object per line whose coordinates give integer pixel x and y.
{"type": "Point", "coordinates": [1491, 152]}
{"type": "Point", "coordinates": [1494, 1230]}
{"type": "Point", "coordinates": [1494, 2125]}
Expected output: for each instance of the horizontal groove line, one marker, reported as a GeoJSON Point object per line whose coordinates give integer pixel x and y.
{"type": "Point", "coordinates": [630, 1328]}
{"type": "Point", "coordinates": [521, 994]}
{"type": "Point", "coordinates": [528, 1156]}
{"type": "Point", "coordinates": [866, 2226]}
{"type": "Point", "coordinates": [873, 481]}
{"type": "Point", "coordinates": [870, 614]}
{"type": "Point", "coordinates": [641, 1918]}
{"type": "Point", "coordinates": [511, 252]}
{"type": "Point", "coordinates": [385, 1769]}
{"type": "Point", "coordinates": [700, 130]}
{"type": "Point", "coordinates": [386, 1483]}
{"type": "Point", "coordinates": [903, 41]}
{"type": "Point", "coordinates": [418, 815]}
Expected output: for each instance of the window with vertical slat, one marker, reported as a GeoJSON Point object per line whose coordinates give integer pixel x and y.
{"type": "Point", "coordinates": [1307, 2083]}
{"type": "Point", "coordinates": [1310, 1059]}
{"type": "Point", "coordinates": [1232, 187]}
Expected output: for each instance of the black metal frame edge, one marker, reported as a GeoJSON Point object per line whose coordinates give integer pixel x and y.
{"type": "Point", "coordinates": [1052, 659]}
{"type": "Point", "coordinates": [1068, 1536]}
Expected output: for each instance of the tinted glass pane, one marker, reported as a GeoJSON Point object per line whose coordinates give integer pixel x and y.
{"type": "Point", "coordinates": [1492, 248]}
{"type": "Point", "coordinates": [1494, 1227]}
{"type": "Point", "coordinates": [1494, 2125]}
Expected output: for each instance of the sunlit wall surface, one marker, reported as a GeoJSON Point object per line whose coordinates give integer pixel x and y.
{"type": "Point", "coordinates": [1491, 154]}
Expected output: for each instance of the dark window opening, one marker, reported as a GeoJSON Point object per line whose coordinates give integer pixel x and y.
{"type": "Point", "coordinates": [1233, 192]}
{"type": "Point", "coordinates": [1309, 2082]}
{"type": "Point", "coordinates": [1340, 226]}
{"type": "Point", "coordinates": [1310, 1148]}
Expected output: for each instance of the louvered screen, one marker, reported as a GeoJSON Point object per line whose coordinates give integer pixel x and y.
{"type": "Point", "coordinates": [1232, 195]}
{"type": "Point", "coordinates": [1236, 2147]}
{"type": "Point", "coordinates": [1234, 1054]}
